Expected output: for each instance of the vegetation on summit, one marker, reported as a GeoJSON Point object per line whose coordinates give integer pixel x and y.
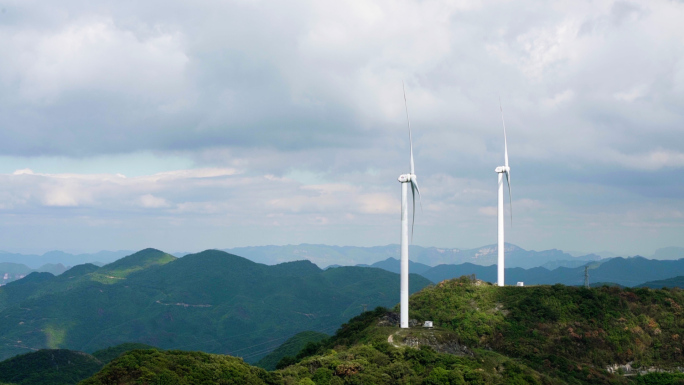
{"type": "Point", "coordinates": [49, 367]}
{"type": "Point", "coordinates": [112, 352]}
{"type": "Point", "coordinates": [59, 366]}
{"type": "Point", "coordinates": [510, 335]}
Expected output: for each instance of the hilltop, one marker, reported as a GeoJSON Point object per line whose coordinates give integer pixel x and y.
{"type": "Point", "coordinates": [59, 366]}
{"type": "Point", "coordinates": [484, 334]}
{"type": "Point", "coordinates": [49, 367]}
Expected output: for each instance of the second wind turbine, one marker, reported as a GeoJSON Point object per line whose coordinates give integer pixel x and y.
{"type": "Point", "coordinates": [405, 179]}
{"type": "Point", "coordinates": [500, 212]}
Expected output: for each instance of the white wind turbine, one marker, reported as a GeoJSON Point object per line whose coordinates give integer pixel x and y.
{"type": "Point", "coordinates": [503, 170]}
{"type": "Point", "coordinates": [405, 179]}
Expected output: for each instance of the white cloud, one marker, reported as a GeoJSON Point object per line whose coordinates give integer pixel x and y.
{"type": "Point", "coordinates": [652, 160]}
{"type": "Point", "coordinates": [96, 54]}
{"type": "Point", "coordinates": [151, 201]}
{"type": "Point", "coordinates": [490, 211]}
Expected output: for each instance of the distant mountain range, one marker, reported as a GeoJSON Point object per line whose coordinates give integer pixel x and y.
{"type": "Point", "coordinates": [12, 271]}
{"type": "Point", "coordinates": [325, 255]}
{"type": "Point", "coordinates": [35, 261]}
{"type": "Point", "coordinates": [629, 272]}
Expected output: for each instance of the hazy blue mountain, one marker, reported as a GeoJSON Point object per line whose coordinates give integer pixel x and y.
{"type": "Point", "coordinates": [52, 268]}
{"type": "Point", "coordinates": [56, 257]}
{"type": "Point", "coordinates": [10, 272]}
{"type": "Point", "coordinates": [576, 262]}
{"type": "Point", "coordinates": [393, 265]}
{"type": "Point", "coordinates": [211, 301]}
{"type": "Point", "coordinates": [624, 271]}
{"type": "Point", "coordinates": [14, 269]}
{"type": "Point", "coordinates": [669, 253]}
{"type": "Point", "coordinates": [530, 258]}
{"type": "Point", "coordinates": [324, 255]}
{"type": "Point", "coordinates": [669, 282]}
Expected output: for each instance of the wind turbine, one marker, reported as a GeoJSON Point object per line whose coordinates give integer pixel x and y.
{"type": "Point", "coordinates": [503, 170]}
{"type": "Point", "coordinates": [405, 179]}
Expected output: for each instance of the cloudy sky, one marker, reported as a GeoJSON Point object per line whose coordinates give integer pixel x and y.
{"type": "Point", "coordinates": [187, 125]}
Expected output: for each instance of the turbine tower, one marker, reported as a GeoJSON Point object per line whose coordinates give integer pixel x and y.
{"type": "Point", "coordinates": [503, 170]}
{"type": "Point", "coordinates": [405, 180]}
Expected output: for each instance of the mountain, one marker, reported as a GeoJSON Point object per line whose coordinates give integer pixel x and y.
{"type": "Point", "coordinates": [577, 262]}
{"type": "Point", "coordinates": [211, 301]}
{"type": "Point", "coordinates": [483, 334]}
{"type": "Point", "coordinates": [34, 261]}
{"type": "Point", "coordinates": [178, 367]}
{"type": "Point", "coordinates": [10, 272]}
{"type": "Point", "coordinates": [52, 268]}
{"type": "Point", "coordinates": [669, 282]}
{"type": "Point", "coordinates": [13, 271]}
{"type": "Point", "coordinates": [624, 271]}
{"type": "Point", "coordinates": [324, 255]}
{"type": "Point", "coordinates": [394, 265]}
{"type": "Point", "coordinates": [59, 366]}
{"type": "Point", "coordinates": [49, 367]}
{"type": "Point", "coordinates": [669, 253]}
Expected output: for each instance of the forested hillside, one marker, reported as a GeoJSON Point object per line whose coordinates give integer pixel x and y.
{"type": "Point", "coordinates": [211, 301]}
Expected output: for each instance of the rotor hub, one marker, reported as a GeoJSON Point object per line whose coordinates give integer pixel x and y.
{"type": "Point", "coordinates": [405, 178]}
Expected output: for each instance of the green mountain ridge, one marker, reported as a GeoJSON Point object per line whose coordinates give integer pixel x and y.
{"type": "Point", "coordinates": [210, 301]}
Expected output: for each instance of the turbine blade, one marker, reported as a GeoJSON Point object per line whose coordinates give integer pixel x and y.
{"type": "Point", "coordinates": [414, 189]}
{"type": "Point", "coordinates": [505, 141]}
{"type": "Point", "coordinates": [510, 195]}
{"type": "Point", "coordinates": [409, 126]}
{"type": "Point", "coordinates": [415, 183]}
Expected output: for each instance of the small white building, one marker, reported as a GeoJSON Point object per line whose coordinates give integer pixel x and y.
{"type": "Point", "coordinates": [520, 284]}
{"type": "Point", "coordinates": [427, 324]}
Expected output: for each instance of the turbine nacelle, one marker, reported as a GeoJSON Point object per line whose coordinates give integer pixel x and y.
{"type": "Point", "coordinates": [407, 178]}
{"type": "Point", "coordinates": [502, 169]}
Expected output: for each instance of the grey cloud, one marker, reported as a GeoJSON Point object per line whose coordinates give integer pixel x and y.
{"type": "Point", "coordinates": [592, 95]}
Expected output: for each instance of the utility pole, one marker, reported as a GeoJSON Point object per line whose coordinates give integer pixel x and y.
{"type": "Point", "coordinates": [365, 307]}
{"type": "Point", "coordinates": [586, 277]}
